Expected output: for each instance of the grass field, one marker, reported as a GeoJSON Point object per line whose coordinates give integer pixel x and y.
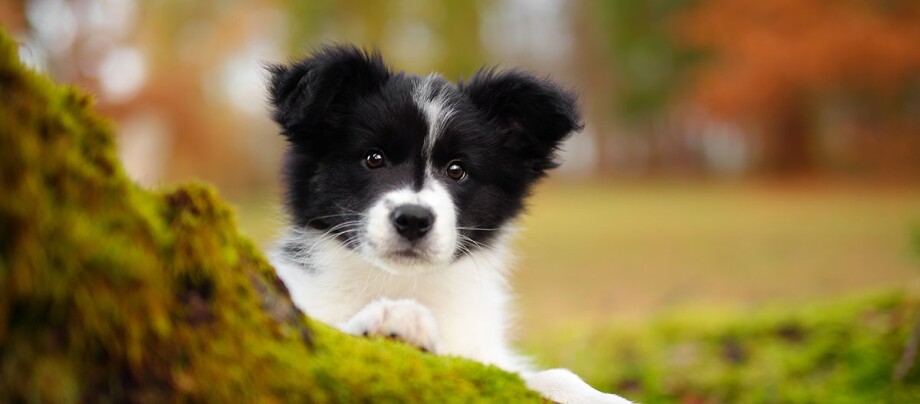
{"type": "Point", "coordinates": [592, 251]}
{"type": "Point", "coordinates": [623, 250]}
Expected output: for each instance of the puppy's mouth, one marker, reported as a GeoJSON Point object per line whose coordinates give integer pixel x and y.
{"type": "Point", "coordinates": [407, 260]}
{"type": "Point", "coordinates": [410, 253]}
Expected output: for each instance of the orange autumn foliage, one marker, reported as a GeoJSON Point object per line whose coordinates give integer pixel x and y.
{"type": "Point", "coordinates": [765, 55]}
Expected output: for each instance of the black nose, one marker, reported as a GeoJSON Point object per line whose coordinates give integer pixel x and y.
{"type": "Point", "coordinates": [412, 221]}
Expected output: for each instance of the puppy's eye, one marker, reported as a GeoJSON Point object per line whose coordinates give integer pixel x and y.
{"type": "Point", "coordinates": [374, 159]}
{"type": "Point", "coordinates": [456, 171]}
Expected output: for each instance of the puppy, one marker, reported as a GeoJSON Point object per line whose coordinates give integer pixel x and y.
{"type": "Point", "coordinates": [402, 193]}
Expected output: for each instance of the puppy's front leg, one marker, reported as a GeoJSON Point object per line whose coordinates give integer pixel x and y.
{"type": "Point", "coordinates": [563, 386]}
{"type": "Point", "coordinates": [404, 319]}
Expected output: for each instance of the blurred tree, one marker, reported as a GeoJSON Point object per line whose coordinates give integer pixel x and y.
{"type": "Point", "coordinates": [458, 26]}
{"type": "Point", "coordinates": [192, 49]}
{"type": "Point", "coordinates": [416, 35]}
{"type": "Point", "coordinates": [646, 62]}
{"type": "Point", "coordinates": [645, 67]}
{"type": "Point", "coordinates": [189, 60]}
{"type": "Point", "coordinates": [590, 56]}
{"type": "Point", "coordinates": [773, 65]}
{"type": "Point", "coordinates": [12, 15]}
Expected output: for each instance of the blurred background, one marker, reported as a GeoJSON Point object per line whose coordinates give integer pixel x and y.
{"type": "Point", "coordinates": [737, 153]}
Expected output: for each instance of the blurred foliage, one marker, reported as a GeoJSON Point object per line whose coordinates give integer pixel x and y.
{"type": "Point", "coordinates": [451, 25]}
{"type": "Point", "coordinates": [916, 239]}
{"type": "Point", "coordinates": [840, 352]}
{"type": "Point", "coordinates": [708, 86]}
{"type": "Point", "coordinates": [779, 65]}
{"type": "Point", "coordinates": [766, 57]}
{"type": "Point", "coordinates": [648, 63]}
{"type": "Point", "coordinates": [110, 293]}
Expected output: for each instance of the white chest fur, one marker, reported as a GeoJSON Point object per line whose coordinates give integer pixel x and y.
{"type": "Point", "coordinates": [468, 298]}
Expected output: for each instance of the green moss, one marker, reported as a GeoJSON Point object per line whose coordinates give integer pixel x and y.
{"type": "Point", "coordinates": [109, 292]}
{"type": "Point", "coordinates": [837, 352]}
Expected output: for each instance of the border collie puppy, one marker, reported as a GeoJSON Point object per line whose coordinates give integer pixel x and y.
{"type": "Point", "coordinates": [402, 193]}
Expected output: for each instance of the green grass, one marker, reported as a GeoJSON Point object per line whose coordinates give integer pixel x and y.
{"type": "Point", "coordinates": [843, 351]}
{"type": "Point", "coordinates": [591, 251]}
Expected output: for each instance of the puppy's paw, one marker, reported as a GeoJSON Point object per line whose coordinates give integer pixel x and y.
{"type": "Point", "coordinates": [563, 386]}
{"type": "Point", "coordinates": [405, 320]}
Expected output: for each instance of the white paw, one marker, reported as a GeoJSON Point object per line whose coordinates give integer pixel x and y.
{"type": "Point", "coordinates": [563, 386]}
{"type": "Point", "coordinates": [405, 320]}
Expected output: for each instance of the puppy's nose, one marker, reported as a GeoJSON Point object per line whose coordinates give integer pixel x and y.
{"type": "Point", "coordinates": [412, 221]}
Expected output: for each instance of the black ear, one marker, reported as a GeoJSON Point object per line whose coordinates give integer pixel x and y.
{"type": "Point", "coordinates": [309, 92]}
{"type": "Point", "coordinates": [534, 114]}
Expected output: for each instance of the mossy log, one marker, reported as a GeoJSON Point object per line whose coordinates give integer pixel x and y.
{"type": "Point", "coordinates": [110, 292]}
{"type": "Point", "coordinates": [851, 349]}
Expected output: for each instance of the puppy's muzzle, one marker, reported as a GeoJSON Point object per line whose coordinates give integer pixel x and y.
{"type": "Point", "coordinates": [412, 222]}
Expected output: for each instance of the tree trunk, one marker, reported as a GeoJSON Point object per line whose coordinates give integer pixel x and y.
{"type": "Point", "coordinates": [790, 141]}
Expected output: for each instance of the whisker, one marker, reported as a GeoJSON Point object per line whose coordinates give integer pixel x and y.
{"type": "Point", "coordinates": [477, 228]}
{"type": "Point", "coordinates": [335, 215]}
{"type": "Point", "coordinates": [367, 281]}
{"type": "Point", "coordinates": [476, 264]}
{"type": "Point", "coordinates": [478, 244]}
{"type": "Point", "coordinates": [349, 210]}
{"type": "Point", "coordinates": [330, 234]}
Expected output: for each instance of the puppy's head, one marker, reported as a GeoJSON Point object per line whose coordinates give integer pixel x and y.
{"type": "Point", "coordinates": [412, 172]}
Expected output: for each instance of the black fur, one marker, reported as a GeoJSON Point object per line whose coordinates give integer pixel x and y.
{"type": "Point", "coordinates": [535, 115]}
{"type": "Point", "coordinates": [341, 102]}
